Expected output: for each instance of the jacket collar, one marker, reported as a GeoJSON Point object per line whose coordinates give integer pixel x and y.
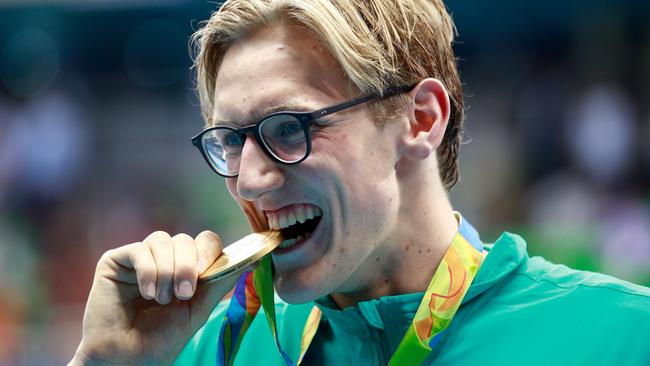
{"type": "Point", "coordinates": [503, 257]}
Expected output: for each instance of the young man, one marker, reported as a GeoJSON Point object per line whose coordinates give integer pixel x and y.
{"type": "Point", "coordinates": [376, 267]}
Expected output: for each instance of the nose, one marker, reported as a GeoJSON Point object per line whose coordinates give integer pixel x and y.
{"type": "Point", "coordinates": [258, 174]}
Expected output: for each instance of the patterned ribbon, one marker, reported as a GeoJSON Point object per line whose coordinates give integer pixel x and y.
{"type": "Point", "coordinates": [440, 302]}
{"type": "Point", "coordinates": [243, 307]}
{"type": "Point", "coordinates": [442, 298]}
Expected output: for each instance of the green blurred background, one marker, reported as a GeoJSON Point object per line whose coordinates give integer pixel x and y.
{"type": "Point", "coordinates": [97, 107]}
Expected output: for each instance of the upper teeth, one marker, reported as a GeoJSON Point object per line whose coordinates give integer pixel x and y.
{"type": "Point", "coordinates": [287, 217]}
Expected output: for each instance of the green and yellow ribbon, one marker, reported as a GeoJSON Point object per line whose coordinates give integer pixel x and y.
{"type": "Point", "coordinates": [439, 304]}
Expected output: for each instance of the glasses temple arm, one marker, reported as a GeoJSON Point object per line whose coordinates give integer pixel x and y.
{"type": "Point", "coordinates": [366, 98]}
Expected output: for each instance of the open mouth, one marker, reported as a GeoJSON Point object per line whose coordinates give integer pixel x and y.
{"type": "Point", "coordinates": [295, 223]}
{"type": "Point", "coordinates": [297, 232]}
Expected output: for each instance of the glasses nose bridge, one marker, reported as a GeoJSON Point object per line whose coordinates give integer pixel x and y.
{"type": "Point", "coordinates": [245, 131]}
{"type": "Point", "coordinates": [258, 172]}
{"type": "Point", "coordinates": [261, 150]}
{"type": "Point", "coordinates": [254, 130]}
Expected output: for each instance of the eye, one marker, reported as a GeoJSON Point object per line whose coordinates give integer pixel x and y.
{"type": "Point", "coordinates": [289, 128]}
{"type": "Point", "coordinates": [232, 139]}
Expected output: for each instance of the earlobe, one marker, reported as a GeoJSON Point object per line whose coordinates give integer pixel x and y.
{"type": "Point", "coordinates": [428, 120]}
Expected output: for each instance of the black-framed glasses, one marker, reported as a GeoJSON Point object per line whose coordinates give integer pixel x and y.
{"type": "Point", "coordinates": [284, 136]}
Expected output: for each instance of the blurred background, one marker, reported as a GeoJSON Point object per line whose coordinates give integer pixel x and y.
{"type": "Point", "coordinates": [97, 108]}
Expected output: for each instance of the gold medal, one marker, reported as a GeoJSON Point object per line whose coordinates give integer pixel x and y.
{"type": "Point", "coordinates": [240, 254]}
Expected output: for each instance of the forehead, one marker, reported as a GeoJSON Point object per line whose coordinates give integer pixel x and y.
{"type": "Point", "coordinates": [276, 66]}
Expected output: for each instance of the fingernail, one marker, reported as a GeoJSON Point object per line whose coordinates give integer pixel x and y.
{"type": "Point", "coordinates": [185, 289]}
{"type": "Point", "coordinates": [150, 290]}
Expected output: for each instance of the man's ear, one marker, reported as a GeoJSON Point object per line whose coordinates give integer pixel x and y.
{"type": "Point", "coordinates": [428, 117]}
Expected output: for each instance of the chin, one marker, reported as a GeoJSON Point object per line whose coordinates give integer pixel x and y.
{"type": "Point", "coordinates": [296, 291]}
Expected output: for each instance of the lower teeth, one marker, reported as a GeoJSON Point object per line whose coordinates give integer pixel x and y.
{"type": "Point", "coordinates": [290, 242]}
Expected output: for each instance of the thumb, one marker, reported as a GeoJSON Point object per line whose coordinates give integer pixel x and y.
{"type": "Point", "coordinates": [208, 249]}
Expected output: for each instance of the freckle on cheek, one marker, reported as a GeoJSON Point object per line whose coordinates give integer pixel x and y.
{"type": "Point", "coordinates": [408, 247]}
{"type": "Point", "coordinates": [429, 250]}
{"type": "Point", "coordinates": [420, 251]}
{"type": "Point", "coordinates": [377, 259]}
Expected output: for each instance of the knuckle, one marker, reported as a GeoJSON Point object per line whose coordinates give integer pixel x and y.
{"type": "Point", "coordinates": [182, 237]}
{"type": "Point", "coordinates": [158, 236]}
{"type": "Point", "coordinates": [208, 234]}
{"type": "Point", "coordinates": [107, 258]}
{"type": "Point", "coordinates": [107, 255]}
{"type": "Point", "coordinates": [104, 262]}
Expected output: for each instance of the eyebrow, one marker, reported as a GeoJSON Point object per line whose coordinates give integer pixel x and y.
{"type": "Point", "coordinates": [270, 106]}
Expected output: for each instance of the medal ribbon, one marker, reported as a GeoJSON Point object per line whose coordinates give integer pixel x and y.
{"type": "Point", "coordinates": [439, 304]}
{"type": "Point", "coordinates": [442, 298]}
{"type": "Point", "coordinates": [243, 307]}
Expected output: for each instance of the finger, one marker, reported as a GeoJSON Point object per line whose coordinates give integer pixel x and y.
{"type": "Point", "coordinates": [130, 264]}
{"type": "Point", "coordinates": [208, 248]}
{"type": "Point", "coordinates": [117, 264]}
{"type": "Point", "coordinates": [185, 272]}
{"type": "Point", "coordinates": [145, 269]}
{"type": "Point", "coordinates": [162, 250]}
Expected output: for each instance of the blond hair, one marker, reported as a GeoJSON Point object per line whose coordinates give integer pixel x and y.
{"type": "Point", "coordinates": [377, 43]}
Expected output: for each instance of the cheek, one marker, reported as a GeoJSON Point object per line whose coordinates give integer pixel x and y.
{"type": "Point", "coordinates": [376, 189]}
{"type": "Point", "coordinates": [368, 194]}
{"type": "Point", "coordinates": [360, 168]}
{"type": "Point", "coordinates": [231, 184]}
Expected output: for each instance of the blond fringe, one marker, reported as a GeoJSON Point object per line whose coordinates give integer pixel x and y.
{"type": "Point", "coordinates": [378, 44]}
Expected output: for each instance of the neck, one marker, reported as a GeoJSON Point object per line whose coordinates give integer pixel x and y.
{"type": "Point", "coordinates": [425, 229]}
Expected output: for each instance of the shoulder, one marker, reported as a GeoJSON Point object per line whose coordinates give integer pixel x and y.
{"type": "Point", "coordinates": [511, 286]}
{"type": "Point", "coordinates": [536, 279]}
{"type": "Point", "coordinates": [552, 312]}
{"type": "Point", "coordinates": [582, 288]}
{"type": "Point", "coordinates": [546, 294]}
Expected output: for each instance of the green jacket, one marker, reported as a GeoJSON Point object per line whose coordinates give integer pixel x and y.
{"type": "Point", "coordinates": [518, 311]}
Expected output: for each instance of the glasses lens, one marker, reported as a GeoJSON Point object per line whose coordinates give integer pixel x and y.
{"type": "Point", "coordinates": [223, 147]}
{"type": "Point", "coordinates": [284, 136]}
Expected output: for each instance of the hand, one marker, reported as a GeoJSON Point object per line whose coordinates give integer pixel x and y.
{"type": "Point", "coordinates": [144, 305]}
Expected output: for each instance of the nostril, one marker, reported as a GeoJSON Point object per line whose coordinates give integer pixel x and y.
{"type": "Point", "coordinates": [251, 184]}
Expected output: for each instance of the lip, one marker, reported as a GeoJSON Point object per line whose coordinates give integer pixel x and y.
{"type": "Point", "coordinates": [293, 248]}
{"type": "Point", "coordinates": [278, 208]}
